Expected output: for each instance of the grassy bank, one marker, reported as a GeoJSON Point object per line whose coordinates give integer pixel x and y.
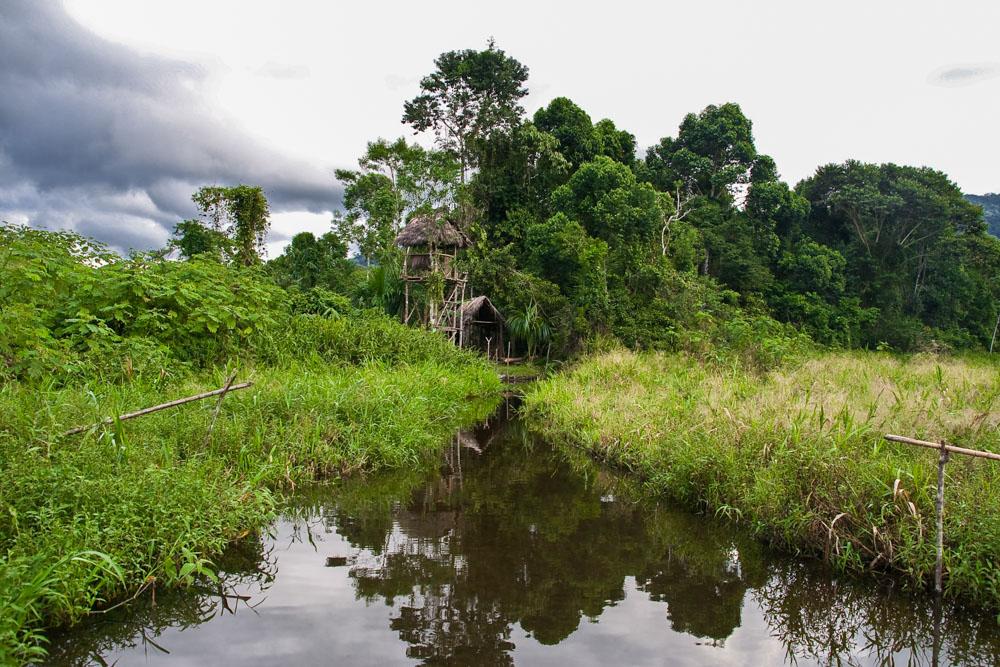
{"type": "Point", "coordinates": [797, 454]}
{"type": "Point", "coordinates": [88, 519]}
{"type": "Point", "coordinates": [91, 519]}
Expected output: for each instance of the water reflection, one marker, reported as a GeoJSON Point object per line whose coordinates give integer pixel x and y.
{"type": "Point", "coordinates": [514, 552]}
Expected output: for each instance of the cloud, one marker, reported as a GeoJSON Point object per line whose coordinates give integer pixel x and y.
{"type": "Point", "coordinates": [283, 71]}
{"type": "Point", "coordinates": [397, 82]}
{"type": "Point", "coordinates": [964, 74]}
{"type": "Point", "coordinates": [101, 139]}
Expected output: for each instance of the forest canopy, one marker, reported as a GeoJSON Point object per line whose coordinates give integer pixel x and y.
{"type": "Point", "coordinates": [577, 234]}
{"type": "Point", "coordinates": [668, 247]}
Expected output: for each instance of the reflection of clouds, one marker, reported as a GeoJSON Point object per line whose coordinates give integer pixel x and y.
{"type": "Point", "coordinates": [964, 74]}
{"type": "Point", "coordinates": [522, 564]}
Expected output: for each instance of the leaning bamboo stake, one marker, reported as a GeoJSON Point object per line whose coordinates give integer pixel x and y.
{"type": "Point", "coordinates": [945, 450]}
{"type": "Point", "coordinates": [218, 406]}
{"type": "Point", "coordinates": [157, 408]}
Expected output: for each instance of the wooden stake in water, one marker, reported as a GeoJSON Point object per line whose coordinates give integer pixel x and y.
{"type": "Point", "coordinates": [939, 567]}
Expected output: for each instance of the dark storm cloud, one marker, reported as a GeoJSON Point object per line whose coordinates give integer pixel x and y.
{"type": "Point", "coordinates": [963, 75]}
{"type": "Point", "coordinates": [97, 137]}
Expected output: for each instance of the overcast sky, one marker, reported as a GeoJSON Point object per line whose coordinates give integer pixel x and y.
{"type": "Point", "coordinates": [112, 112]}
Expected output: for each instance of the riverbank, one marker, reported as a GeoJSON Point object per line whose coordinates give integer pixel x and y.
{"type": "Point", "coordinates": [143, 504]}
{"type": "Point", "coordinates": [797, 454]}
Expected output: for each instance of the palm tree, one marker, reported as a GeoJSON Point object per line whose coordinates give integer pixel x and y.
{"type": "Point", "coordinates": [530, 326]}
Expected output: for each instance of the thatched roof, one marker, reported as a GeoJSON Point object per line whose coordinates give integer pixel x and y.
{"type": "Point", "coordinates": [431, 229]}
{"type": "Point", "coordinates": [481, 308]}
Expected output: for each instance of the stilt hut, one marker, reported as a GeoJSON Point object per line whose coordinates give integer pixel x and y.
{"type": "Point", "coordinates": [431, 243]}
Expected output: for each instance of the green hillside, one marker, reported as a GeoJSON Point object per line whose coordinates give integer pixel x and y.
{"type": "Point", "coordinates": [991, 210]}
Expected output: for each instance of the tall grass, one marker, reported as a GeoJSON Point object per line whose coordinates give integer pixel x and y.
{"type": "Point", "coordinates": [91, 518]}
{"type": "Point", "coordinates": [797, 453]}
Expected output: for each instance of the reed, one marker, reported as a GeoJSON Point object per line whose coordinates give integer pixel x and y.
{"type": "Point", "coordinates": [797, 453]}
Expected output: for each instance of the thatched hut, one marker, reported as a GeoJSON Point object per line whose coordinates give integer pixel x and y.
{"type": "Point", "coordinates": [431, 242]}
{"type": "Point", "coordinates": [483, 327]}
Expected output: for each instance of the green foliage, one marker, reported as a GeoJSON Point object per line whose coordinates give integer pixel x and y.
{"type": "Point", "coordinates": [915, 250]}
{"type": "Point", "coordinates": [530, 327]}
{"type": "Point", "coordinates": [193, 237]}
{"type": "Point", "coordinates": [241, 213]}
{"type": "Point", "coordinates": [572, 128]}
{"type": "Point", "coordinates": [713, 153]}
{"type": "Point", "coordinates": [470, 97]}
{"type": "Point", "coordinates": [560, 251]}
{"type": "Point", "coordinates": [619, 145]}
{"type": "Point", "coordinates": [319, 301]}
{"type": "Point", "coordinates": [309, 262]}
{"type": "Point", "coordinates": [383, 287]}
{"type": "Point", "coordinates": [605, 197]}
{"type": "Point", "coordinates": [516, 177]}
{"type": "Point", "coordinates": [513, 290]}
{"type": "Point", "coordinates": [395, 181]}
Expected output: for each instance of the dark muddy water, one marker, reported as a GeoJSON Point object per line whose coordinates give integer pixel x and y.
{"type": "Point", "coordinates": [511, 552]}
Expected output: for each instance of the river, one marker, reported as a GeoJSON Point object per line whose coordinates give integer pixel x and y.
{"type": "Point", "coordinates": [510, 551]}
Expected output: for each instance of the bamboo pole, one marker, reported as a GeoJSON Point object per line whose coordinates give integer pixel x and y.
{"type": "Point", "coordinates": [995, 328]}
{"type": "Point", "coordinates": [945, 450]}
{"type": "Point", "coordinates": [940, 445]}
{"type": "Point", "coordinates": [157, 408]}
{"type": "Point", "coordinates": [939, 506]}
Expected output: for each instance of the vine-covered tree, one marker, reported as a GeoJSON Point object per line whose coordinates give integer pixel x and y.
{"type": "Point", "coordinates": [241, 213]}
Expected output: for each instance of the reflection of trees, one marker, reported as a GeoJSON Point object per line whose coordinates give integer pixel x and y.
{"type": "Point", "coordinates": [516, 533]}
{"type": "Point", "coordinates": [247, 563]}
{"type": "Point", "coordinates": [525, 538]}
{"type": "Point", "coordinates": [845, 622]}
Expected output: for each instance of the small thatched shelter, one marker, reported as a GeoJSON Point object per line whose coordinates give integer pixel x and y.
{"type": "Point", "coordinates": [431, 242]}
{"type": "Point", "coordinates": [431, 230]}
{"type": "Point", "coordinates": [483, 327]}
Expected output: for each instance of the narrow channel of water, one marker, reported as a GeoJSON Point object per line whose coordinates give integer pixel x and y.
{"type": "Point", "coordinates": [511, 552]}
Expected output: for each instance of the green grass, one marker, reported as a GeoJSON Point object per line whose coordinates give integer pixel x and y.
{"type": "Point", "coordinates": [797, 454]}
{"type": "Point", "coordinates": [89, 519]}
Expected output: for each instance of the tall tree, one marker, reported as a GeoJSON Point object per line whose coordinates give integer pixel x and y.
{"type": "Point", "coordinates": [194, 237]}
{"type": "Point", "coordinates": [516, 178]}
{"type": "Point", "coordinates": [470, 96]}
{"type": "Point", "coordinates": [572, 127]}
{"type": "Point", "coordinates": [713, 153]}
{"type": "Point", "coordinates": [395, 180]}
{"type": "Point", "coordinates": [310, 262]}
{"type": "Point", "coordinates": [907, 234]}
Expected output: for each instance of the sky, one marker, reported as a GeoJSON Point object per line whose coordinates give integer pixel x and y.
{"type": "Point", "coordinates": [113, 112]}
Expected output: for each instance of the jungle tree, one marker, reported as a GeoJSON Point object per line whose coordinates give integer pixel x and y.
{"type": "Point", "coordinates": [470, 96]}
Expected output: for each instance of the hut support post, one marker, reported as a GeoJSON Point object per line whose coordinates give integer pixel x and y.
{"type": "Point", "coordinates": [406, 302]}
